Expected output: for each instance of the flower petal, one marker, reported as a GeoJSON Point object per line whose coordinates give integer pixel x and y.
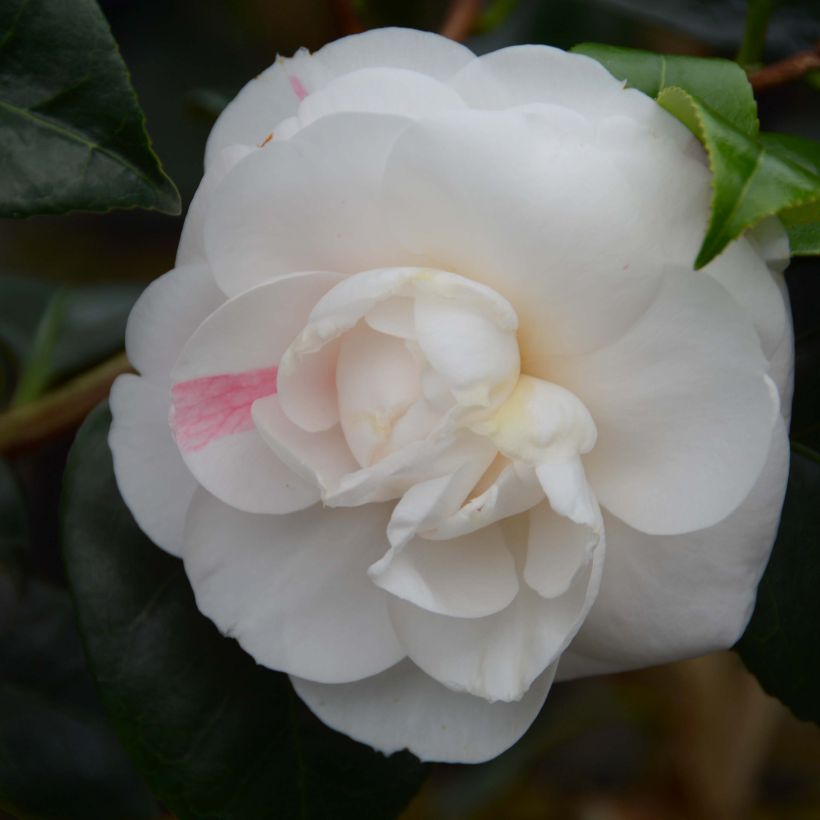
{"type": "Point", "coordinates": [307, 387]}
{"type": "Point", "coordinates": [398, 91]}
{"type": "Point", "coordinates": [166, 314]}
{"type": "Point", "coordinates": [377, 380]}
{"type": "Point", "coordinates": [403, 708]}
{"type": "Point", "coordinates": [478, 358]}
{"type": "Point", "coordinates": [421, 51]}
{"type": "Point", "coordinates": [191, 248]}
{"type": "Point", "coordinates": [397, 472]}
{"type": "Point", "coordinates": [275, 94]}
{"type": "Point", "coordinates": [154, 482]}
{"type": "Point", "coordinates": [515, 489]}
{"type": "Point", "coordinates": [293, 589]}
{"type": "Point", "coordinates": [264, 102]}
{"type": "Point", "coordinates": [557, 550]}
{"type": "Point", "coordinates": [215, 385]}
{"type": "Point", "coordinates": [499, 656]}
{"type": "Point", "coordinates": [742, 271]}
{"type": "Point", "coordinates": [526, 74]}
{"type": "Point", "coordinates": [321, 458]}
{"type": "Point", "coordinates": [464, 577]}
{"type": "Point", "coordinates": [311, 202]}
{"type": "Point", "coordinates": [687, 594]}
{"type": "Point", "coordinates": [683, 407]}
{"type": "Point", "coordinates": [507, 198]}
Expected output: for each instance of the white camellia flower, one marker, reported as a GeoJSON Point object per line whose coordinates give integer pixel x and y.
{"type": "Point", "coordinates": [434, 404]}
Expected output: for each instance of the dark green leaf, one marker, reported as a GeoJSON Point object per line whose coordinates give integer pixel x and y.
{"type": "Point", "coordinates": [749, 181]}
{"type": "Point", "coordinates": [54, 333]}
{"type": "Point", "coordinates": [58, 757]}
{"type": "Point", "coordinates": [72, 132]}
{"type": "Point", "coordinates": [721, 84]}
{"type": "Point", "coordinates": [780, 643]}
{"type": "Point", "coordinates": [214, 734]}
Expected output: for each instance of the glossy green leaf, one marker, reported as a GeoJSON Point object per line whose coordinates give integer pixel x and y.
{"type": "Point", "coordinates": [58, 757]}
{"type": "Point", "coordinates": [214, 734]}
{"type": "Point", "coordinates": [51, 333]}
{"type": "Point", "coordinates": [72, 132]}
{"type": "Point", "coordinates": [749, 181]}
{"type": "Point", "coordinates": [803, 225]}
{"type": "Point", "coordinates": [780, 644]}
{"type": "Point", "coordinates": [721, 84]}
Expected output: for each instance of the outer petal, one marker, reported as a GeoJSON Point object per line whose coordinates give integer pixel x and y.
{"type": "Point", "coordinates": [747, 277]}
{"type": "Point", "coordinates": [405, 709]}
{"type": "Point", "coordinates": [510, 200]}
{"type": "Point", "coordinates": [276, 93]}
{"type": "Point", "coordinates": [420, 51]}
{"type": "Point", "coordinates": [191, 248]}
{"type": "Point", "coordinates": [499, 656]}
{"type": "Point", "coordinates": [293, 589]}
{"type": "Point", "coordinates": [683, 407]}
{"type": "Point", "coordinates": [308, 203]}
{"type": "Point", "coordinates": [264, 102]}
{"type": "Point", "coordinates": [168, 311]}
{"type": "Point", "coordinates": [521, 75]}
{"type": "Point", "coordinates": [228, 457]}
{"type": "Point", "coordinates": [380, 91]}
{"type": "Point", "coordinates": [664, 598]}
{"type": "Point", "coordinates": [155, 483]}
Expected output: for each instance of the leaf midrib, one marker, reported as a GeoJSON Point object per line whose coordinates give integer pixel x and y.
{"type": "Point", "coordinates": [79, 138]}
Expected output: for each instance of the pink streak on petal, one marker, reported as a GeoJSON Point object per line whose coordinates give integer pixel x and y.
{"type": "Point", "coordinates": [206, 409]}
{"type": "Point", "coordinates": [298, 88]}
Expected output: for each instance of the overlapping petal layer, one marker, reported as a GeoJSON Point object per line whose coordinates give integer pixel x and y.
{"type": "Point", "coordinates": [452, 298]}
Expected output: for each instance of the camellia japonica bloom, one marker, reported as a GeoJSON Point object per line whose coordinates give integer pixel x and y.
{"type": "Point", "coordinates": [434, 405]}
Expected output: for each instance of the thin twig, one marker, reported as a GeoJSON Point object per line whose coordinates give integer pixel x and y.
{"type": "Point", "coordinates": [786, 71]}
{"type": "Point", "coordinates": [59, 410]}
{"type": "Point", "coordinates": [461, 19]}
{"type": "Point", "coordinates": [347, 21]}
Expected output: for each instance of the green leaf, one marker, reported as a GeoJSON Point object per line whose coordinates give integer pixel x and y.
{"type": "Point", "coordinates": [214, 734]}
{"type": "Point", "coordinates": [803, 225]}
{"type": "Point", "coordinates": [72, 132]}
{"type": "Point", "coordinates": [749, 181]}
{"type": "Point", "coordinates": [804, 240]}
{"type": "Point", "coordinates": [58, 757]}
{"type": "Point", "coordinates": [780, 643]}
{"type": "Point", "coordinates": [52, 333]}
{"type": "Point", "coordinates": [721, 84]}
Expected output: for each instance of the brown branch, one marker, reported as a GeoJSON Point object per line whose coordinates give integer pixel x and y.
{"type": "Point", "coordinates": [59, 410]}
{"type": "Point", "coordinates": [786, 71]}
{"type": "Point", "coordinates": [347, 21]}
{"type": "Point", "coordinates": [461, 19]}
